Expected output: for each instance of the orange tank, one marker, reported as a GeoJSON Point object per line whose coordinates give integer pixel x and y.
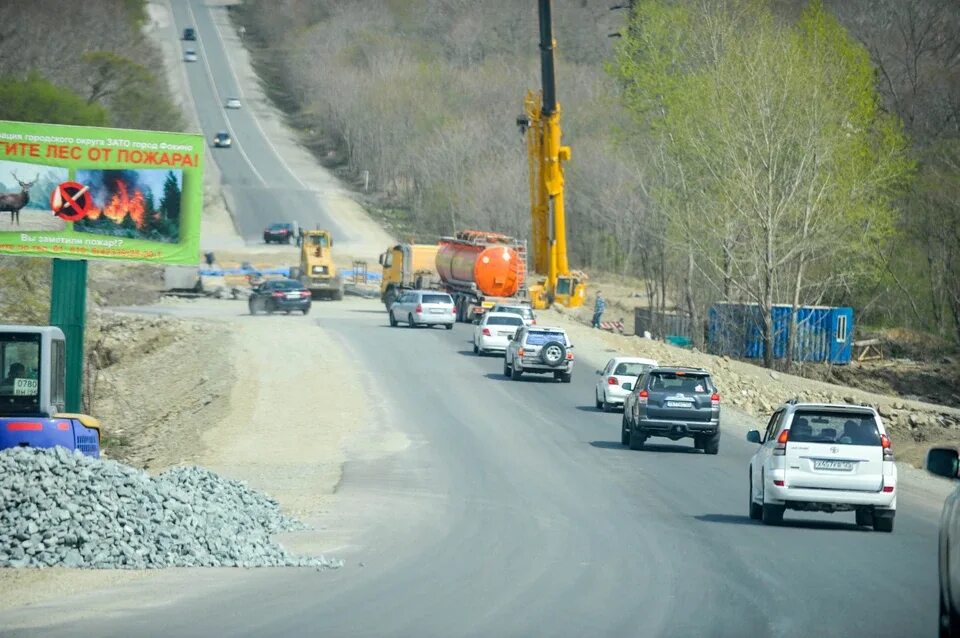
{"type": "Point", "coordinates": [494, 267]}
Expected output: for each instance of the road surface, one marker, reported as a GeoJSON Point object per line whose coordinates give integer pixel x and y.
{"type": "Point", "coordinates": [515, 511]}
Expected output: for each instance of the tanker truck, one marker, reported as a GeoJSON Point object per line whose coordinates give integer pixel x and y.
{"type": "Point", "coordinates": [480, 269]}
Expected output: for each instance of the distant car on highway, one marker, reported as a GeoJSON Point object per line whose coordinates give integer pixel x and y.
{"type": "Point", "coordinates": [278, 232]}
{"type": "Point", "coordinates": [189, 55]}
{"type": "Point", "coordinates": [675, 403]}
{"type": "Point", "coordinates": [609, 391]}
{"type": "Point", "coordinates": [423, 308]}
{"type": "Point", "coordinates": [824, 457]}
{"type": "Point", "coordinates": [222, 140]}
{"type": "Point", "coordinates": [946, 462]}
{"type": "Point", "coordinates": [494, 331]}
{"type": "Point", "coordinates": [529, 318]}
{"type": "Point", "coordinates": [232, 103]}
{"type": "Point", "coordinates": [189, 34]}
{"type": "Point", "coordinates": [279, 295]}
{"type": "Point", "coordinates": [539, 350]}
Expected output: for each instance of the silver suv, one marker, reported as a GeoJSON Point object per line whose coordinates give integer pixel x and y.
{"type": "Point", "coordinates": [674, 403]}
{"type": "Point", "coordinates": [539, 350]}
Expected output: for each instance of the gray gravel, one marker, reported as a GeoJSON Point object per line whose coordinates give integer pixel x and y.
{"type": "Point", "coordinates": [60, 508]}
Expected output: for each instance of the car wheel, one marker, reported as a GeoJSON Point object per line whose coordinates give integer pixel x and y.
{"type": "Point", "coordinates": [711, 445]}
{"type": "Point", "coordinates": [515, 374]}
{"type": "Point", "coordinates": [597, 401]}
{"type": "Point", "coordinates": [506, 368]}
{"type": "Point", "coordinates": [565, 377]}
{"type": "Point", "coordinates": [883, 523]}
{"type": "Point", "coordinates": [624, 432]}
{"type": "Point", "coordinates": [448, 326]}
{"type": "Point", "coordinates": [476, 350]}
{"type": "Point", "coordinates": [393, 320]}
{"type": "Point", "coordinates": [864, 518]}
{"type": "Point", "coordinates": [253, 307]}
{"type": "Point", "coordinates": [410, 323]}
{"type": "Point", "coordinates": [772, 514]}
{"type": "Point", "coordinates": [756, 511]}
{"type": "Point", "coordinates": [945, 618]}
{"type": "Point", "coordinates": [306, 310]}
{"type": "Point", "coordinates": [636, 440]}
{"type": "Point", "coordinates": [606, 407]}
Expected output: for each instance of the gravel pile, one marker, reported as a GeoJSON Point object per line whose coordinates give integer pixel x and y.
{"type": "Point", "coordinates": [59, 508]}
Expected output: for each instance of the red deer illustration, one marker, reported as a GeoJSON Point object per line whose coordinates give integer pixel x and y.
{"type": "Point", "coordinates": [13, 202]}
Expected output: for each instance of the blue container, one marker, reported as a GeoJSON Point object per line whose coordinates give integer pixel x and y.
{"type": "Point", "coordinates": [824, 333]}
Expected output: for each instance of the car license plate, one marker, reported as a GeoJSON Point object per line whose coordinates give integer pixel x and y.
{"type": "Point", "coordinates": [678, 404]}
{"type": "Point", "coordinates": [504, 334]}
{"type": "Point", "coordinates": [436, 311]}
{"type": "Point", "coordinates": [293, 295]}
{"type": "Point", "coordinates": [836, 466]}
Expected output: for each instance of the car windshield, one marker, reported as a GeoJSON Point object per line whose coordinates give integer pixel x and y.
{"type": "Point", "coordinates": [835, 427]}
{"type": "Point", "coordinates": [504, 321]}
{"type": "Point", "coordinates": [631, 369]}
{"type": "Point", "coordinates": [283, 285]}
{"type": "Point", "coordinates": [279, 226]}
{"type": "Point", "coordinates": [680, 382]}
{"type": "Point", "coordinates": [524, 312]}
{"type": "Point", "coordinates": [19, 366]}
{"type": "Point", "coordinates": [437, 299]}
{"type": "Point", "coordinates": [539, 337]}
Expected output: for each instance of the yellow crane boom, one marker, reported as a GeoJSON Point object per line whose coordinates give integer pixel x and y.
{"type": "Point", "coordinates": [540, 122]}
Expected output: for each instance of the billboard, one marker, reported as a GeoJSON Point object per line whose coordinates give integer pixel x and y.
{"type": "Point", "coordinates": [79, 192]}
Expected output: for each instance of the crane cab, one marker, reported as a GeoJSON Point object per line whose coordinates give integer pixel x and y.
{"type": "Point", "coordinates": [32, 393]}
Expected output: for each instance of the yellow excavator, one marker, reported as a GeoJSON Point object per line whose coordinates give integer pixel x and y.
{"type": "Point", "coordinates": [540, 123]}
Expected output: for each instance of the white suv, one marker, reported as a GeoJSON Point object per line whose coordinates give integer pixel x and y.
{"type": "Point", "coordinates": [539, 350]}
{"type": "Point", "coordinates": [824, 458]}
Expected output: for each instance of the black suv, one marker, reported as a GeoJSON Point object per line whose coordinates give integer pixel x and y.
{"type": "Point", "coordinates": [189, 34]}
{"type": "Point", "coordinates": [281, 232]}
{"type": "Point", "coordinates": [278, 295]}
{"type": "Point", "coordinates": [674, 403]}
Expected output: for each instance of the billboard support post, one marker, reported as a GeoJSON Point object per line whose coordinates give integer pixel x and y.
{"type": "Point", "coordinates": [68, 303]}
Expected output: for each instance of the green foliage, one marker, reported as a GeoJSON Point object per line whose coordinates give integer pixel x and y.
{"type": "Point", "coordinates": [34, 99]}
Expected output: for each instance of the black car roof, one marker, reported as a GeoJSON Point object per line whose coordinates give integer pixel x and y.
{"type": "Point", "coordinates": [680, 369]}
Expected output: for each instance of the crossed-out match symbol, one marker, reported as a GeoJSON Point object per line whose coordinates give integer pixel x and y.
{"type": "Point", "coordinates": [70, 201]}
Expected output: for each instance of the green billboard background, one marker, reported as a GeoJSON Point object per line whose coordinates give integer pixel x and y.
{"type": "Point", "coordinates": [100, 193]}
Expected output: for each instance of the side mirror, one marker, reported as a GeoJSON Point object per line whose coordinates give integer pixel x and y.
{"type": "Point", "coordinates": [753, 436]}
{"type": "Point", "coordinates": [942, 461]}
{"type": "Point", "coordinates": [510, 337]}
{"type": "Point", "coordinates": [381, 260]}
{"type": "Point", "coordinates": [627, 386]}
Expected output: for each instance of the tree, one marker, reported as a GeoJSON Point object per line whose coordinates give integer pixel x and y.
{"type": "Point", "coordinates": [34, 99]}
{"type": "Point", "coordinates": [772, 133]}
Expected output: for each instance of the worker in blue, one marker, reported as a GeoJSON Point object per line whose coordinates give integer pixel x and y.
{"type": "Point", "coordinates": [598, 309]}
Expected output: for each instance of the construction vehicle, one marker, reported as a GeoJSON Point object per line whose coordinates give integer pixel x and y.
{"type": "Point", "coordinates": [33, 391]}
{"type": "Point", "coordinates": [407, 267]}
{"type": "Point", "coordinates": [317, 271]}
{"type": "Point", "coordinates": [480, 269]}
{"type": "Point", "coordinates": [540, 123]}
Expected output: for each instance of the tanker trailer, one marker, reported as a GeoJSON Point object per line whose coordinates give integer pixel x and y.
{"type": "Point", "coordinates": [480, 269]}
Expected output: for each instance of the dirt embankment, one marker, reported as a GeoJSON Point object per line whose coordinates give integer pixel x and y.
{"type": "Point", "coordinates": [914, 425]}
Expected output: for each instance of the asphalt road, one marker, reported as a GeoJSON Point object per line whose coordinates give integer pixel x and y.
{"type": "Point", "coordinates": [256, 181]}
{"type": "Point", "coordinates": [516, 512]}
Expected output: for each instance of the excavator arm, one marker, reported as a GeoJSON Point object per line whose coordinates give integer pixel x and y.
{"type": "Point", "coordinates": [540, 123]}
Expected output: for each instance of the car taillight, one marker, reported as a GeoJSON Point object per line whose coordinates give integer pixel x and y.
{"type": "Point", "coordinates": [887, 488]}
{"type": "Point", "coordinates": [887, 450]}
{"type": "Point", "coordinates": [533, 323]}
{"type": "Point", "coordinates": [278, 294]}
{"type": "Point", "coordinates": [418, 309]}
{"type": "Point", "coordinates": [715, 399]}
{"type": "Point", "coordinates": [611, 381]}
{"type": "Point", "coordinates": [304, 293]}
{"type": "Point", "coordinates": [642, 396]}
{"type": "Point", "coordinates": [519, 352]}
{"type": "Point", "coordinates": [569, 356]}
{"type": "Point", "coordinates": [781, 448]}
{"type": "Point", "coordinates": [486, 332]}
{"type": "Point", "coordinates": [778, 482]}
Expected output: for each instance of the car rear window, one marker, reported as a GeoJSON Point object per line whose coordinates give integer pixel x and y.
{"type": "Point", "coordinates": [838, 428]}
{"type": "Point", "coordinates": [517, 310]}
{"type": "Point", "coordinates": [437, 299]}
{"type": "Point", "coordinates": [285, 285]}
{"type": "Point", "coordinates": [680, 382]}
{"type": "Point", "coordinates": [504, 321]}
{"type": "Point", "coordinates": [540, 338]}
{"type": "Point", "coordinates": [633, 369]}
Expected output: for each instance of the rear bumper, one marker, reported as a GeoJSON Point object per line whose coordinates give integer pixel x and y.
{"type": "Point", "coordinates": [677, 428]}
{"type": "Point", "coordinates": [493, 344]}
{"type": "Point", "coordinates": [434, 320]}
{"type": "Point", "coordinates": [797, 497]}
{"type": "Point", "coordinates": [324, 285]}
{"type": "Point", "coordinates": [536, 367]}
{"type": "Point", "coordinates": [615, 395]}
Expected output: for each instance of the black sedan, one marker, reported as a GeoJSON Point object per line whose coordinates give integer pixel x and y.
{"type": "Point", "coordinates": [280, 232]}
{"type": "Point", "coordinates": [280, 295]}
{"type": "Point", "coordinates": [946, 462]}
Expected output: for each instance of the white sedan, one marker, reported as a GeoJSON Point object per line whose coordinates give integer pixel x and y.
{"type": "Point", "coordinates": [232, 103]}
{"type": "Point", "coordinates": [619, 370]}
{"type": "Point", "coordinates": [494, 331]}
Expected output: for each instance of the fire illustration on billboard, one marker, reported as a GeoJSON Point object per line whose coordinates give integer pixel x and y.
{"type": "Point", "coordinates": [138, 204]}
